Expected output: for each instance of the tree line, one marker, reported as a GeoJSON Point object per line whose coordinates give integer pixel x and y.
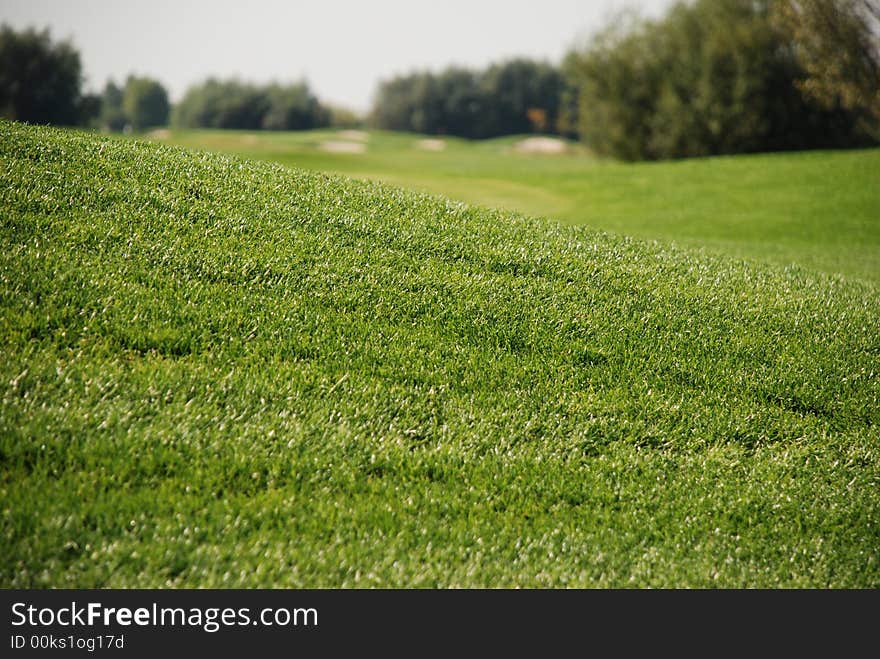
{"type": "Point", "coordinates": [235, 104]}
{"type": "Point", "coordinates": [41, 82]}
{"type": "Point", "coordinates": [709, 77]}
{"type": "Point", "coordinates": [517, 96]}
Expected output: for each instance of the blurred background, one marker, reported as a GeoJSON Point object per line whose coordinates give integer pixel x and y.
{"type": "Point", "coordinates": [633, 81]}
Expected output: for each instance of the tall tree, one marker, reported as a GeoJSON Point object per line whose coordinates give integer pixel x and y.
{"type": "Point", "coordinates": [40, 81]}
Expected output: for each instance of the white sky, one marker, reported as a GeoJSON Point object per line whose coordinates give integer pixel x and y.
{"type": "Point", "coordinates": [342, 47]}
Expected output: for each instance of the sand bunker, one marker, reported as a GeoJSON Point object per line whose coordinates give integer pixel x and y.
{"type": "Point", "coordinates": [159, 134]}
{"type": "Point", "coordinates": [431, 144]}
{"type": "Point", "coordinates": [343, 147]}
{"type": "Point", "coordinates": [353, 135]}
{"type": "Point", "coordinates": [541, 145]}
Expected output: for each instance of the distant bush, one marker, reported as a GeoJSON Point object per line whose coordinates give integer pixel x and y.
{"type": "Point", "coordinates": [235, 104]}
{"type": "Point", "coordinates": [517, 96]}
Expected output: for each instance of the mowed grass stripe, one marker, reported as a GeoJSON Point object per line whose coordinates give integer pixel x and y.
{"type": "Point", "coordinates": [226, 373]}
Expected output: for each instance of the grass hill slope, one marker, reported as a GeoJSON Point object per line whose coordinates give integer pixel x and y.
{"type": "Point", "coordinates": [225, 373]}
{"type": "Point", "coordinates": [820, 210]}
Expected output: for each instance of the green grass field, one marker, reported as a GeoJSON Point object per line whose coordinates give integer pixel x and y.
{"type": "Point", "coordinates": [227, 373]}
{"type": "Point", "coordinates": [818, 210]}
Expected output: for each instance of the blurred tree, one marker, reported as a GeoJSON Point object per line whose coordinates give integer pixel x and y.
{"type": "Point", "coordinates": [90, 110]}
{"type": "Point", "coordinates": [567, 121]}
{"type": "Point", "coordinates": [235, 104]}
{"type": "Point", "coordinates": [505, 99]}
{"type": "Point", "coordinates": [293, 107]}
{"type": "Point", "coordinates": [221, 104]}
{"type": "Point", "coordinates": [342, 117]}
{"type": "Point", "coordinates": [455, 104]}
{"type": "Point", "coordinates": [617, 83]}
{"type": "Point", "coordinates": [39, 80]}
{"type": "Point", "coordinates": [838, 44]}
{"type": "Point", "coordinates": [427, 113]}
{"type": "Point", "coordinates": [517, 86]}
{"type": "Point", "coordinates": [112, 117]}
{"type": "Point", "coordinates": [710, 77]}
{"type": "Point", "coordinates": [145, 103]}
{"type": "Point", "coordinates": [395, 103]}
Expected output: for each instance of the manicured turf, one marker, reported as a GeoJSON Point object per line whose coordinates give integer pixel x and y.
{"type": "Point", "coordinates": [225, 373]}
{"type": "Point", "coordinates": [819, 210]}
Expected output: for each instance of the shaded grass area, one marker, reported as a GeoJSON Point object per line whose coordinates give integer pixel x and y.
{"type": "Point", "coordinates": [820, 210]}
{"type": "Point", "coordinates": [226, 373]}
